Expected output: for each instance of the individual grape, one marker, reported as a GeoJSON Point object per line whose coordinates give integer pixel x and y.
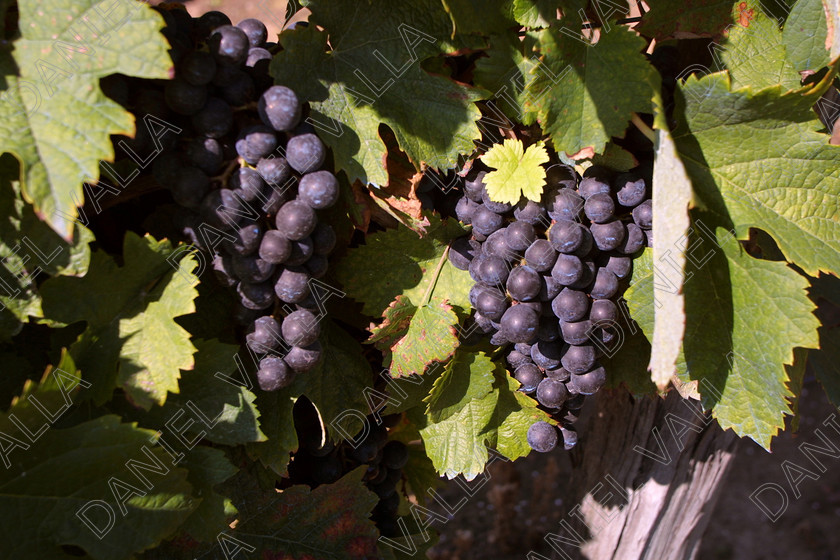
{"type": "Point", "coordinates": [630, 189]}
{"type": "Point", "coordinates": [197, 68]}
{"type": "Point", "coordinates": [296, 220]}
{"type": "Point", "coordinates": [547, 354]}
{"type": "Point", "coordinates": [189, 187]}
{"type": "Point", "coordinates": [620, 266]}
{"type": "Point", "coordinates": [207, 22]}
{"type": "Point", "coordinates": [279, 108]}
{"type": "Point", "coordinates": [564, 204]}
{"type": "Point", "coordinates": [519, 324]}
{"type": "Point", "coordinates": [264, 335]}
{"type": "Point", "coordinates": [302, 250]}
{"type": "Point", "coordinates": [606, 284]}
{"type": "Point", "coordinates": [476, 290]}
{"type": "Point", "coordinates": [317, 265]}
{"type": "Point", "coordinates": [183, 97]}
{"type": "Point", "coordinates": [464, 210]}
{"type": "Point", "coordinates": [578, 359]}
{"type": "Point", "coordinates": [576, 332]}
{"type": "Point", "coordinates": [542, 437]}
{"type": "Point", "coordinates": [570, 305]}
{"type": "Point", "coordinates": [274, 247]}
{"type": "Point", "coordinates": [323, 238]}
{"type": "Point", "coordinates": [549, 288]}
{"type": "Point", "coordinates": [541, 256]}
{"type": "Point", "coordinates": [304, 358]}
{"type": "Point", "coordinates": [491, 303]}
{"type": "Point", "coordinates": [475, 266]}
{"type": "Point", "coordinates": [559, 374]}
{"type": "Point", "coordinates": [274, 374]}
{"type": "Point", "coordinates": [255, 30]}
{"type": "Point", "coordinates": [569, 238]}
{"type": "Point", "coordinates": [561, 175]}
{"type": "Point", "coordinates": [462, 251]}
{"type": "Point", "coordinates": [258, 58]}
{"type": "Point", "coordinates": [473, 188]}
{"type": "Point", "coordinates": [239, 90]}
{"type": "Point", "coordinates": [484, 323]}
{"type": "Point", "coordinates": [256, 296]}
{"type": "Point", "coordinates": [395, 456]}
{"type": "Point", "coordinates": [643, 214]}
{"type": "Point", "coordinates": [318, 189]}
{"type": "Point", "coordinates": [599, 208]}
{"type": "Point", "coordinates": [255, 143]}
{"type": "Point", "coordinates": [608, 236]}
{"type": "Point", "coordinates": [223, 209]}
{"type": "Point", "coordinates": [523, 347]}
{"type": "Point", "coordinates": [516, 359]}
{"type": "Point", "coordinates": [529, 376]}
{"type": "Point", "coordinates": [251, 268]}
{"type": "Point", "coordinates": [570, 437]}
{"type": "Point", "coordinates": [247, 183]}
{"type": "Point", "coordinates": [305, 153]}
{"type": "Point", "coordinates": [486, 222]}
{"type": "Point", "coordinates": [567, 270]}
{"type": "Point", "coordinates": [206, 154]}
{"type": "Point", "coordinates": [214, 120]}
{"type": "Point", "coordinates": [551, 393]}
{"type": "Point", "coordinates": [648, 238]}
{"type": "Point", "coordinates": [300, 328]}
{"type": "Point", "coordinates": [292, 284]}
{"type": "Point", "coordinates": [588, 383]}
{"type": "Point", "coordinates": [535, 305]}
{"type": "Point", "coordinates": [519, 236]}
{"type": "Point", "coordinates": [576, 402]}
{"type": "Point", "coordinates": [590, 186]}
{"type": "Point", "coordinates": [523, 283]}
{"type": "Point", "coordinates": [496, 245]}
{"type": "Point", "coordinates": [492, 205]}
{"type": "Point", "coordinates": [603, 313]}
{"type": "Point", "coordinates": [223, 270]}
{"type": "Point", "coordinates": [529, 212]}
{"type": "Point", "coordinates": [247, 239]}
{"type": "Point", "coordinates": [634, 240]}
{"type": "Point", "coordinates": [228, 45]}
{"type": "Point", "coordinates": [493, 271]}
{"type": "Point", "coordinates": [587, 278]}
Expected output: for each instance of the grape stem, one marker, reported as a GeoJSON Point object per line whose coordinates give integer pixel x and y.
{"type": "Point", "coordinates": [435, 276]}
{"type": "Point", "coordinates": [225, 175]}
{"type": "Point", "coordinates": [643, 128]}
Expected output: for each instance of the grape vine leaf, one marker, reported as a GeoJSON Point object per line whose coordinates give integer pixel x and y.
{"type": "Point", "coordinates": [357, 80]}
{"type": "Point", "coordinates": [542, 13]}
{"type": "Point", "coordinates": [277, 422]}
{"type": "Point", "coordinates": [131, 340]}
{"type": "Point", "coordinates": [755, 158]}
{"type": "Point", "coordinates": [574, 93]}
{"type": "Point", "coordinates": [687, 19]}
{"type": "Point", "coordinates": [477, 16]}
{"type": "Point", "coordinates": [759, 54]}
{"type": "Point", "coordinates": [99, 489]}
{"type": "Point", "coordinates": [52, 98]}
{"type": "Point", "coordinates": [221, 409]}
{"type": "Point", "coordinates": [327, 523]}
{"type": "Point", "coordinates": [29, 248]}
{"type": "Point", "coordinates": [804, 35]}
{"type": "Point", "coordinates": [504, 71]}
{"type": "Point", "coordinates": [411, 283]}
{"type": "Point", "coordinates": [517, 171]}
{"type": "Point", "coordinates": [458, 444]}
{"type": "Point", "coordinates": [744, 316]}
{"type": "Point", "coordinates": [615, 157]}
{"type": "Point", "coordinates": [672, 196]}
{"type": "Point", "coordinates": [467, 376]}
{"type": "Point", "coordinates": [206, 467]}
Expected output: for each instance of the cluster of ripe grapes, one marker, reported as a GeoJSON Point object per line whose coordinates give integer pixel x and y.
{"type": "Point", "coordinates": [247, 168]}
{"type": "Point", "coordinates": [547, 277]}
{"type": "Point", "coordinates": [318, 462]}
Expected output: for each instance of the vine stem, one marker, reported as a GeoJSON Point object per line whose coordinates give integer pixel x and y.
{"type": "Point", "coordinates": [432, 284]}
{"type": "Point", "coordinates": [643, 128]}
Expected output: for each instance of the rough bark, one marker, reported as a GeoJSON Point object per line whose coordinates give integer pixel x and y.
{"type": "Point", "coordinates": [645, 482]}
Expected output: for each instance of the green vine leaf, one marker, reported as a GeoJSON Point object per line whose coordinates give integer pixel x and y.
{"type": "Point", "coordinates": [517, 171]}
{"type": "Point", "coordinates": [54, 117]}
{"type": "Point", "coordinates": [131, 340]}
{"type": "Point", "coordinates": [690, 18]}
{"type": "Point", "coordinates": [352, 91]}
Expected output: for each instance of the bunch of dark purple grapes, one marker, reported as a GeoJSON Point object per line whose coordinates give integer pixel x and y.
{"type": "Point", "coordinates": [317, 462]}
{"type": "Point", "coordinates": [547, 278]}
{"type": "Point", "coordinates": [246, 170]}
